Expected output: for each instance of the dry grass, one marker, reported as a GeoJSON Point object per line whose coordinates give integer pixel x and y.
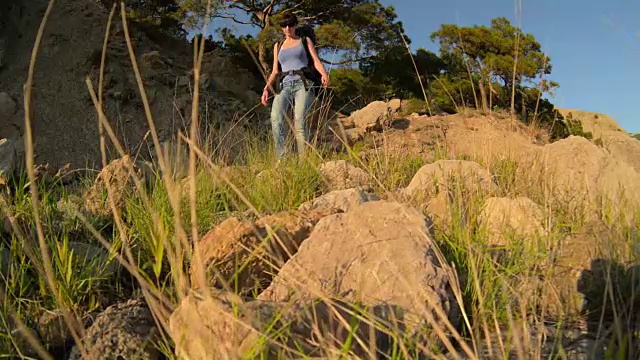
{"type": "Point", "coordinates": [155, 239]}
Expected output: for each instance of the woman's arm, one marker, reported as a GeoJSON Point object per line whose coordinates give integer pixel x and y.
{"type": "Point", "coordinates": [317, 63]}
{"type": "Point", "coordinates": [274, 67]}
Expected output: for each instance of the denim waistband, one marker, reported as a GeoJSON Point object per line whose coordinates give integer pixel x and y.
{"type": "Point", "coordinates": [291, 82]}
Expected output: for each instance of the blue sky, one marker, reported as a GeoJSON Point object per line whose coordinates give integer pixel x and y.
{"type": "Point", "coordinates": [582, 38]}
{"type": "Point", "coordinates": [594, 45]}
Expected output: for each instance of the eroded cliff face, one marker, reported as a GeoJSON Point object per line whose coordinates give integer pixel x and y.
{"type": "Point", "coordinates": [64, 118]}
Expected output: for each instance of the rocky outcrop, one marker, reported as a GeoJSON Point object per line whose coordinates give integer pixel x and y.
{"type": "Point", "coordinates": [517, 219]}
{"type": "Point", "coordinates": [373, 116]}
{"type": "Point", "coordinates": [64, 121]}
{"type": "Point", "coordinates": [379, 253]}
{"type": "Point", "coordinates": [375, 264]}
{"type": "Point", "coordinates": [446, 175]}
{"type": "Point", "coordinates": [583, 175]}
{"type": "Point", "coordinates": [343, 200]}
{"type": "Point", "coordinates": [244, 255]}
{"type": "Point", "coordinates": [340, 175]}
{"type": "Point", "coordinates": [606, 132]}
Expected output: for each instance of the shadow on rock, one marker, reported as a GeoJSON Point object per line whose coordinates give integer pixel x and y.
{"type": "Point", "coordinates": [611, 304]}
{"type": "Point", "coordinates": [400, 124]}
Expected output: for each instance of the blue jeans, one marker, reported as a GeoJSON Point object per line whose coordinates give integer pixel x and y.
{"type": "Point", "coordinates": [293, 93]}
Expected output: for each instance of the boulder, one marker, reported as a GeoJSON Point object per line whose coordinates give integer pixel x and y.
{"type": "Point", "coordinates": [342, 200]}
{"type": "Point", "coordinates": [213, 326]}
{"type": "Point", "coordinates": [372, 116]}
{"type": "Point", "coordinates": [122, 331]}
{"type": "Point", "coordinates": [340, 175]}
{"type": "Point", "coordinates": [443, 175]}
{"type": "Point", "coordinates": [218, 325]}
{"type": "Point", "coordinates": [354, 135]}
{"type": "Point", "coordinates": [379, 253]}
{"type": "Point", "coordinates": [519, 217]}
{"type": "Point", "coordinates": [8, 159]}
{"type": "Point", "coordinates": [244, 254]}
{"type": "Point", "coordinates": [439, 209]}
{"type": "Point", "coordinates": [118, 175]}
{"type": "Point", "coordinates": [583, 176]}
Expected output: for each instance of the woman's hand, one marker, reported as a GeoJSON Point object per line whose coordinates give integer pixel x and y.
{"type": "Point", "coordinates": [325, 80]}
{"type": "Point", "coordinates": [265, 97]}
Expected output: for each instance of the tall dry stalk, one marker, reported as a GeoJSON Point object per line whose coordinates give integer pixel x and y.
{"type": "Point", "coordinates": [518, 5]}
{"type": "Point", "coordinates": [75, 326]}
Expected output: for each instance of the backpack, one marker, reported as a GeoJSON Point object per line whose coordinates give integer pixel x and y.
{"type": "Point", "coordinates": [309, 72]}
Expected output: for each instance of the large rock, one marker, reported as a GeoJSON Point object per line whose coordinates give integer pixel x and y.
{"type": "Point", "coordinates": [623, 147]}
{"type": "Point", "coordinates": [342, 200]}
{"type": "Point", "coordinates": [245, 254]}
{"type": "Point", "coordinates": [8, 160]}
{"type": "Point", "coordinates": [123, 331]}
{"type": "Point", "coordinates": [378, 254]}
{"type": "Point", "coordinates": [445, 175]}
{"type": "Point", "coordinates": [218, 325]}
{"type": "Point", "coordinates": [117, 177]}
{"type": "Point", "coordinates": [372, 116]}
{"type": "Point", "coordinates": [585, 176]}
{"type": "Point", "coordinates": [595, 123]}
{"type": "Point", "coordinates": [340, 175]}
{"type": "Point", "coordinates": [439, 208]}
{"type": "Point", "coordinates": [212, 326]}
{"type": "Point", "coordinates": [607, 133]}
{"type": "Point", "coordinates": [505, 218]}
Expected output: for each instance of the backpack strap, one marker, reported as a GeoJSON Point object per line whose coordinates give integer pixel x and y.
{"type": "Point", "coordinates": [303, 39]}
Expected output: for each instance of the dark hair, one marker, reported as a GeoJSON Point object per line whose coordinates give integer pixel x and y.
{"type": "Point", "coordinates": [288, 20]}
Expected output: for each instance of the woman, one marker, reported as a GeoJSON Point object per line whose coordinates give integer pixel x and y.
{"type": "Point", "coordinates": [292, 85]}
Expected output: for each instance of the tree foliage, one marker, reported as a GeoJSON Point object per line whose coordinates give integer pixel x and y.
{"type": "Point", "coordinates": [174, 17]}
{"type": "Point", "coordinates": [500, 53]}
{"type": "Point", "coordinates": [356, 29]}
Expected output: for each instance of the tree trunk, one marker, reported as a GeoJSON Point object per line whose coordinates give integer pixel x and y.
{"type": "Point", "coordinates": [525, 111]}
{"type": "Point", "coordinates": [265, 15]}
{"type": "Point", "coordinates": [483, 95]}
{"type": "Point", "coordinates": [262, 57]}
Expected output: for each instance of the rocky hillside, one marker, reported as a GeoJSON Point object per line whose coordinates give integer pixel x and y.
{"type": "Point", "coordinates": [467, 236]}
{"type": "Point", "coordinates": [65, 123]}
{"type": "Point", "coordinates": [433, 225]}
